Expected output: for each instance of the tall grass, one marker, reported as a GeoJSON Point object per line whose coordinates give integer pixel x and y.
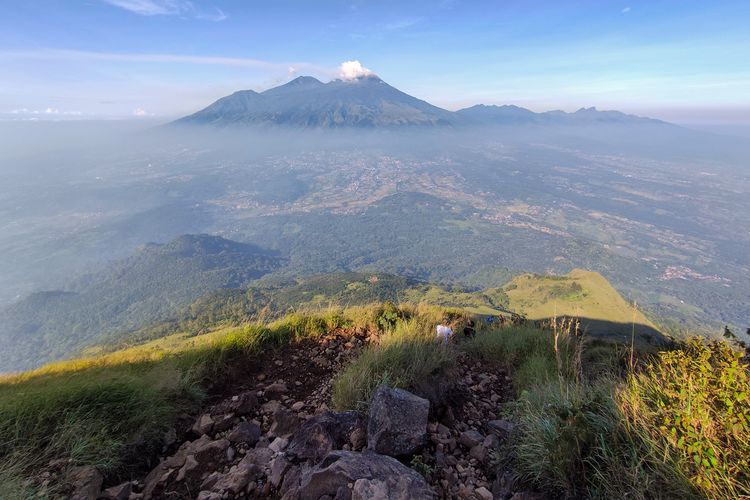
{"type": "Point", "coordinates": [534, 356]}
{"type": "Point", "coordinates": [676, 427]}
{"type": "Point", "coordinates": [406, 355]}
{"type": "Point", "coordinates": [692, 407]}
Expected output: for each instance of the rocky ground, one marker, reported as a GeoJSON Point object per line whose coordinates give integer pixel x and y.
{"type": "Point", "coordinates": [270, 434]}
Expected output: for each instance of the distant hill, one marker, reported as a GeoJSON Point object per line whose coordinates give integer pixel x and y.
{"type": "Point", "coordinates": [584, 294]}
{"type": "Point", "coordinates": [514, 115]}
{"type": "Point", "coordinates": [363, 102]}
{"type": "Point", "coordinates": [369, 102]}
{"type": "Point", "coordinates": [127, 295]}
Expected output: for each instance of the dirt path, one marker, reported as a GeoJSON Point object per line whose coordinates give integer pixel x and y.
{"type": "Point", "coordinates": [259, 404]}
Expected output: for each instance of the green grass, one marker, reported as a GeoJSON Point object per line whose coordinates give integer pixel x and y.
{"type": "Point", "coordinates": [693, 405]}
{"type": "Point", "coordinates": [590, 424]}
{"type": "Point", "coordinates": [90, 410]}
{"type": "Point", "coordinates": [405, 357]}
{"type": "Point", "coordinates": [580, 293]}
{"type": "Point", "coordinates": [527, 352]}
{"type": "Point", "coordinates": [676, 425]}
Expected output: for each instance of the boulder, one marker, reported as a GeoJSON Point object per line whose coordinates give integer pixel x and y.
{"type": "Point", "coordinates": [245, 432]}
{"type": "Point", "coordinates": [326, 432]}
{"type": "Point", "coordinates": [373, 476]}
{"type": "Point", "coordinates": [86, 482]}
{"type": "Point", "coordinates": [397, 423]}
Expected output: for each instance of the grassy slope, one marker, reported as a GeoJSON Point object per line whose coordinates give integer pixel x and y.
{"type": "Point", "coordinates": [578, 436]}
{"type": "Point", "coordinates": [580, 293]}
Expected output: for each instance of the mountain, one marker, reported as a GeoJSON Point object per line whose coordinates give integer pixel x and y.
{"type": "Point", "coordinates": [127, 295]}
{"type": "Point", "coordinates": [364, 102]}
{"type": "Point", "coordinates": [369, 102]}
{"type": "Point", "coordinates": [514, 115]}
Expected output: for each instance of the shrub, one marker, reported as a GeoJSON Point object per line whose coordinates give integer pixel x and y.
{"type": "Point", "coordinates": [693, 404]}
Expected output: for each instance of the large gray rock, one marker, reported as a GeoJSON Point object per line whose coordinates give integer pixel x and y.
{"type": "Point", "coordinates": [397, 423]}
{"type": "Point", "coordinates": [324, 433]}
{"type": "Point", "coordinates": [371, 473]}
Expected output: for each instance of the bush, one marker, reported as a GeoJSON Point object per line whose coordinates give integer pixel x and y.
{"type": "Point", "coordinates": [693, 404]}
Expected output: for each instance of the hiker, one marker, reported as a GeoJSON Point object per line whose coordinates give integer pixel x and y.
{"type": "Point", "coordinates": [469, 330]}
{"type": "Point", "coordinates": [444, 332]}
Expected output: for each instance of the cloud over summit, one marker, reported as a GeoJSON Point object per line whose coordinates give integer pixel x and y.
{"type": "Point", "coordinates": [351, 70]}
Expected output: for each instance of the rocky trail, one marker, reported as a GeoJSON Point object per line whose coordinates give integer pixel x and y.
{"type": "Point", "coordinates": [267, 432]}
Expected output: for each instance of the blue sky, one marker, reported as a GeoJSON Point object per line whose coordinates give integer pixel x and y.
{"type": "Point", "coordinates": [685, 61]}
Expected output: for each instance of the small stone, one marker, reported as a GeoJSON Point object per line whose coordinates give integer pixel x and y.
{"type": "Point", "coordinates": [500, 428]}
{"type": "Point", "coordinates": [119, 492]}
{"type": "Point", "coordinates": [86, 481]}
{"type": "Point", "coordinates": [203, 425]}
{"type": "Point", "coordinates": [223, 423]}
{"type": "Point", "coordinates": [278, 468]}
{"type": "Point", "coordinates": [190, 464]}
{"type": "Point", "coordinates": [478, 452]}
{"type": "Point", "coordinates": [491, 442]}
{"type": "Point", "coordinates": [275, 391]}
{"type": "Point", "coordinates": [470, 438]}
{"type": "Point", "coordinates": [278, 445]}
{"type": "Point", "coordinates": [261, 377]}
{"type": "Point", "coordinates": [298, 405]}
{"type": "Point", "coordinates": [245, 432]}
{"type": "Point", "coordinates": [483, 493]}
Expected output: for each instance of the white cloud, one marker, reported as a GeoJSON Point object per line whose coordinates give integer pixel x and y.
{"type": "Point", "coordinates": [140, 112]}
{"type": "Point", "coordinates": [401, 24]}
{"type": "Point", "coordinates": [79, 55]}
{"type": "Point", "coordinates": [216, 16]}
{"type": "Point", "coordinates": [625, 10]}
{"type": "Point", "coordinates": [46, 111]}
{"type": "Point", "coordinates": [168, 8]}
{"type": "Point", "coordinates": [350, 70]}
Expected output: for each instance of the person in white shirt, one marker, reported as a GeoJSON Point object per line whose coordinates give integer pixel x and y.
{"type": "Point", "coordinates": [444, 332]}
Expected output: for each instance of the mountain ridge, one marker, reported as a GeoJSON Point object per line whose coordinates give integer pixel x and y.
{"type": "Point", "coordinates": [369, 102]}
